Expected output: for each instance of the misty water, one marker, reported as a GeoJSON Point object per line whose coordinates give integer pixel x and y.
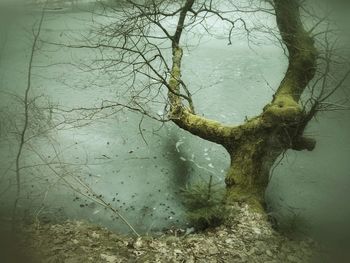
{"type": "Point", "coordinates": [139, 165]}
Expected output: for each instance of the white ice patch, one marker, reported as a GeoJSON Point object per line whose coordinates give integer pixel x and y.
{"type": "Point", "coordinates": [183, 159]}
{"type": "Point", "coordinates": [211, 165]}
{"type": "Point", "coordinates": [177, 145]}
{"type": "Point", "coordinates": [96, 212]}
{"type": "Point", "coordinates": [207, 158]}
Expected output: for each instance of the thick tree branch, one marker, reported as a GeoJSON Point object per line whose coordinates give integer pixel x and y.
{"type": "Point", "coordinates": [179, 114]}
{"type": "Point", "coordinates": [302, 58]}
{"type": "Point", "coordinates": [301, 49]}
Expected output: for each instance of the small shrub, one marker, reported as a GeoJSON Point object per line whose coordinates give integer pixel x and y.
{"type": "Point", "coordinates": [204, 204]}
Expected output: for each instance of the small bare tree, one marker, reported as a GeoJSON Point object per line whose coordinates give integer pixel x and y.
{"type": "Point", "coordinates": [28, 121]}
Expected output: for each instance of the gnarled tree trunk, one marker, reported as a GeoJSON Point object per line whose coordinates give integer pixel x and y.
{"type": "Point", "coordinates": [248, 175]}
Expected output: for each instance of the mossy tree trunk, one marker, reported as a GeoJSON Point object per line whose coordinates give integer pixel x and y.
{"type": "Point", "coordinates": [248, 175]}
{"type": "Point", "coordinates": [256, 144]}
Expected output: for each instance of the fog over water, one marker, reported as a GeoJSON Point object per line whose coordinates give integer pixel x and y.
{"type": "Point", "coordinates": [140, 167]}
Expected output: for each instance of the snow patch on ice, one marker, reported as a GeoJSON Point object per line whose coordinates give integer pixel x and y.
{"type": "Point", "coordinates": [178, 144]}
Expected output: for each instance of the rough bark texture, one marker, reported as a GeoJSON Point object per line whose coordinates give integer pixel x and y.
{"type": "Point", "coordinates": [255, 145]}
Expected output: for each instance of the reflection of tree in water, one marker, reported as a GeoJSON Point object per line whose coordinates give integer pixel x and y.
{"type": "Point", "coordinates": [181, 168]}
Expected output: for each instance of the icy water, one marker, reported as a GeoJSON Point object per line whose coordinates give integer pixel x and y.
{"type": "Point", "coordinates": [141, 176]}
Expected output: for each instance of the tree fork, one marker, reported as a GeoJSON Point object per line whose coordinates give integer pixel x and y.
{"type": "Point", "coordinates": [255, 145]}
